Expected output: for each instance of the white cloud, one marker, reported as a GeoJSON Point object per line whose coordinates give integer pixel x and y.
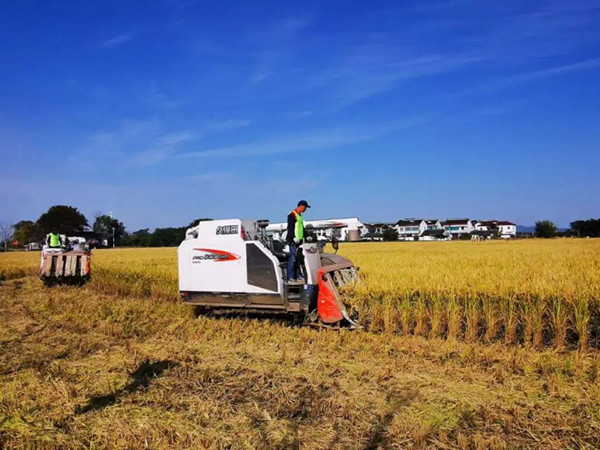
{"type": "Point", "coordinates": [225, 124]}
{"type": "Point", "coordinates": [118, 40]}
{"type": "Point", "coordinates": [178, 138]}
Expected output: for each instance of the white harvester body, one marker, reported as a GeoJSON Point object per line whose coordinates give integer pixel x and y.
{"type": "Point", "coordinates": [234, 264]}
{"type": "Point", "coordinates": [214, 258]}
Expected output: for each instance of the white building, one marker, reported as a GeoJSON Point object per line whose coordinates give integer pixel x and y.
{"type": "Point", "coordinates": [377, 228]}
{"type": "Point", "coordinates": [458, 227]}
{"type": "Point", "coordinates": [433, 224]}
{"type": "Point", "coordinates": [375, 231]}
{"type": "Point", "coordinates": [505, 229]}
{"type": "Point", "coordinates": [435, 235]}
{"type": "Point", "coordinates": [410, 229]}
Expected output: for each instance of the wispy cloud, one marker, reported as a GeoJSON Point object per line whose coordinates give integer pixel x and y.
{"type": "Point", "coordinates": [156, 97]}
{"type": "Point", "coordinates": [302, 142]}
{"type": "Point", "coordinates": [367, 77]}
{"type": "Point", "coordinates": [553, 71]}
{"type": "Point", "coordinates": [527, 77]}
{"type": "Point", "coordinates": [266, 66]}
{"type": "Point", "coordinates": [473, 37]}
{"type": "Point", "coordinates": [308, 141]}
{"type": "Point", "coordinates": [129, 134]}
{"type": "Point", "coordinates": [152, 156]}
{"type": "Point", "coordinates": [178, 138]}
{"type": "Point", "coordinates": [276, 44]}
{"type": "Point", "coordinates": [147, 142]}
{"type": "Point", "coordinates": [118, 40]}
{"type": "Point", "coordinates": [225, 124]}
{"type": "Point", "coordinates": [300, 114]}
{"type": "Point", "coordinates": [128, 198]}
{"type": "Point", "coordinates": [165, 146]}
{"type": "Point", "coordinates": [140, 142]}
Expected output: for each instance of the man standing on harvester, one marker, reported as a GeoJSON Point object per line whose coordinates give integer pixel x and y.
{"type": "Point", "coordinates": [295, 235]}
{"type": "Point", "coordinates": [53, 239]}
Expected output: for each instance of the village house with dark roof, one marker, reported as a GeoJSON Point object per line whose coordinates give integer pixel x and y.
{"type": "Point", "coordinates": [503, 228]}
{"type": "Point", "coordinates": [438, 234]}
{"type": "Point", "coordinates": [458, 227]}
{"type": "Point", "coordinates": [433, 224]}
{"type": "Point", "coordinates": [410, 229]}
{"type": "Point", "coordinates": [413, 229]}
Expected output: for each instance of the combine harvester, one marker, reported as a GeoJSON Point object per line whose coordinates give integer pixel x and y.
{"type": "Point", "coordinates": [233, 265]}
{"type": "Point", "coordinates": [64, 265]}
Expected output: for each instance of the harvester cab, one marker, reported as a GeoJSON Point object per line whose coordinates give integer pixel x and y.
{"type": "Point", "coordinates": [236, 265]}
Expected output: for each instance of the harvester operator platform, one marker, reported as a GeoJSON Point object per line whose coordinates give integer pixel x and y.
{"type": "Point", "coordinates": [295, 236]}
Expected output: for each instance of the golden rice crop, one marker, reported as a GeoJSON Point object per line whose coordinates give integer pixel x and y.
{"type": "Point", "coordinates": [535, 292]}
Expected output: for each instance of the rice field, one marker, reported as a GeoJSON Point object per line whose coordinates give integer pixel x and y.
{"type": "Point", "coordinates": [465, 345]}
{"type": "Point", "coordinates": [533, 292]}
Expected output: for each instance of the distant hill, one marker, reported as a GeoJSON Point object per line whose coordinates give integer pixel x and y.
{"type": "Point", "coordinates": [531, 229]}
{"type": "Point", "coordinates": [525, 228]}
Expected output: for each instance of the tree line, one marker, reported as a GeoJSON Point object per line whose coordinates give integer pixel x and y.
{"type": "Point", "coordinates": [69, 220]}
{"type": "Point", "coordinates": [578, 228]}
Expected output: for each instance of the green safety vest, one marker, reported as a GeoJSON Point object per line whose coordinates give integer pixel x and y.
{"type": "Point", "coordinates": [54, 240]}
{"type": "Point", "coordinates": [299, 228]}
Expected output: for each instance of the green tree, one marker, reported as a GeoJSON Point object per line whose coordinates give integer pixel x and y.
{"type": "Point", "coordinates": [495, 231]}
{"type": "Point", "coordinates": [107, 227]}
{"type": "Point", "coordinates": [140, 238]}
{"type": "Point", "coordinates": [545, 229]}
{"type": "Point", "coordinates": [24, 232]}
{"type": "Point", "coordinates": [583, 228]}
{"type": "Point", "coordinates": [167, 237]}
{"type": "Point", "coordinates": [62, 219]}
{"type": "Point", "coordinates": [390, 234]}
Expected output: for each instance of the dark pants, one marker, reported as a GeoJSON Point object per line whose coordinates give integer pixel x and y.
{"type": "Point", "coordinates": [292, 268]}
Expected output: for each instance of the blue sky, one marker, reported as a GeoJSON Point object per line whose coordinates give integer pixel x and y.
{"type": "Point", "coordinates": [166, 111]}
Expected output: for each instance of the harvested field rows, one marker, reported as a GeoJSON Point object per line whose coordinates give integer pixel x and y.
{"type": "Point", "coordinates": [122, 363]}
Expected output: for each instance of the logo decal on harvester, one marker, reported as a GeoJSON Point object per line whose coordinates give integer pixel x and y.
{"type": "Point", "coordinates": [210, 254]}
{"type": "Point", "coordinates": [227, 229]}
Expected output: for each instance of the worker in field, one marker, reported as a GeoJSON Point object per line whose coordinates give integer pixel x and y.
{"type": "Point", "coordinates": [295, 236]}
{"type": "Point", "coordinates": [51, 245]}
{"type": "Point", "coordinates": [53, 240]}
